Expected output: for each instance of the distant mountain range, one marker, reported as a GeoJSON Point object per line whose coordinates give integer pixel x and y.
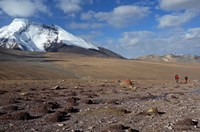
{"type": "Point", "coordinates": [170, 58]}
{"type": "Point", "coordinates": [25, 35]}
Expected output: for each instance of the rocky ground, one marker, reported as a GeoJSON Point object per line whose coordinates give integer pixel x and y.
{"type": "Point", "coordinates": [99, 105]}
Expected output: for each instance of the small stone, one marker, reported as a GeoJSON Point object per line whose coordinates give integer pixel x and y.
{"type": "Point", "coordinates": [81, 122]}
{"type": "Point", "coordinates": [11, 124]}
{"type": "Point", "coordinates": [169, 127]}
{"type": "Point", "coordinates": [23, 94]}
{"type": "Point", "coordinates": [152, 111]}
{"type": "Point", "coordinates": [90, 127]}
{"type": "Point", "coordinates": [33, 130]}
{"type": "Point", "coordinates": [56, 88]}
{"type": "Point", "coordinates": [194, 122]}
{"type": "Point", "coordinates": [110, 122]}
{"type": "Point", "coordinates": [87, 109]}
{"type": "Point", "coordinates": [60, 124]}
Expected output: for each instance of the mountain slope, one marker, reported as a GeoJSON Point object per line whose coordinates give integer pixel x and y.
{"type": "Point", "coordinates": [22, 34]}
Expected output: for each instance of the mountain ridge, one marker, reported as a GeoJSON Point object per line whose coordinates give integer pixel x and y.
{"type": "Point", "coordinates": [170, 58]}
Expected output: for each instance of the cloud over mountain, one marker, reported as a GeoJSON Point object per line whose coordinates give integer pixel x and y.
{"type": "Point", "coordinates": [72, 6]}
{"type": "Point", "coordinates": [30, 7]}
{"type": "Point", "coordinates": [123, 15]}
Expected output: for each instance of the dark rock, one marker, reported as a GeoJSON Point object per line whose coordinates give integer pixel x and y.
{"type": "Point", "coordinates": [56, 117]}
{"type": "Point", "coordinates": [17, 116]}
{"type": "Point", "coordinates": [115, 102]}
{"type": "Point", "coordinates": [10, 108]}
{"type": "Point", "coordinates": [73, 100]}
{"type": "Point", "coordinates": [187, 122]}
{"type": "Point", "coordinates": [72, 93]}
{"type": "Point", "coordinates": [126, 111]}
{"type": "Point", "coordinates": [72, 110]}
{"type": "Point", "coordinates": [47, 107]}
{"type": "Point", "coordinates": [119, 128]}
{"type": "Point", "coordinates": [3, 91]}
{"type": "Point", "coordinates": [2, 113]}
{"type": "Point", "coordinates": [90, 101]}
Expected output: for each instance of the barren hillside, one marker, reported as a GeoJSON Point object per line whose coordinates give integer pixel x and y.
{"type": "Point", "coordinates": [26, 65]}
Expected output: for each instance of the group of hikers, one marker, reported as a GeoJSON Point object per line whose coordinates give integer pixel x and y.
{"type": "Point", "coordinates": [177, 78]}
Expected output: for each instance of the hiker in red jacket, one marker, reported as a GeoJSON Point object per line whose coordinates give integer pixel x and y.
{"type": "Point", "coordinates": [176, 78]}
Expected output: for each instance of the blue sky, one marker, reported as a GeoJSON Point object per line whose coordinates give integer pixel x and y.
{"type": "Point", "coordinates": [131, 28]}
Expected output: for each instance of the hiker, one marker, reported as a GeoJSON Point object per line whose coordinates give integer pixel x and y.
{"type": "Point", "coordinates": [176, 78]}
{"type": "Point", "coordinates": [186, 79]}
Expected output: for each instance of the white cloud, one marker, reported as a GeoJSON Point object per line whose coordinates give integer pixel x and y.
{"type": "Point", "coordinates": [91, 36]}
{"type": "Point", "coordinates": [123, 15]}
{"type": "Point", "coordinates": [174, 20]}
{"type": "Point", "coordinates": [72, 6]}
{"type": "Point", "coordinates": [179, 4]}
{"type": "Point", "coordinates": [193, 33]}
{"type": "Point", "coordinates": [133, 38]}
{"type": "Point", "coordinates": [139, 43]}
{"type": "Point", "coordinates": [88, 15]}
{"type": "Point", "coordinates": [182, 12]}
{"type": "Point", "coordinates": [23, 8]}
{"type": "Point", "coordinates": [120, 16]}
{"type": "Point", "coordinates": [75, 25]}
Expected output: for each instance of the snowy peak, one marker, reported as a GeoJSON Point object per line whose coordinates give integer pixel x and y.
{"type": "Point", "coordinates": [19, 24]}
{"type": "Point", "coordinates": [25, 35]}
{"type": "Point", "coordinates": [16, 26]}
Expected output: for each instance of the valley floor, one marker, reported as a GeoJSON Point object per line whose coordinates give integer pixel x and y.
{"type": "Point", "coordinates": [99, 105]}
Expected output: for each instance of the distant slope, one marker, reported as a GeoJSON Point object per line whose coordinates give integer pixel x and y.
{"type": "Point", "coordinates": [170, 58]}
{"type": "Point", "coordinates": [101, 52]}
{"type": "Point", "coordinates": [18, 65]}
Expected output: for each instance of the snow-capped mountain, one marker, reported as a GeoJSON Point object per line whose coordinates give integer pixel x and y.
{"type": "Point", "coordinates": [30, 36]}
{"type": "Point", "coordinates": [23, 34]}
